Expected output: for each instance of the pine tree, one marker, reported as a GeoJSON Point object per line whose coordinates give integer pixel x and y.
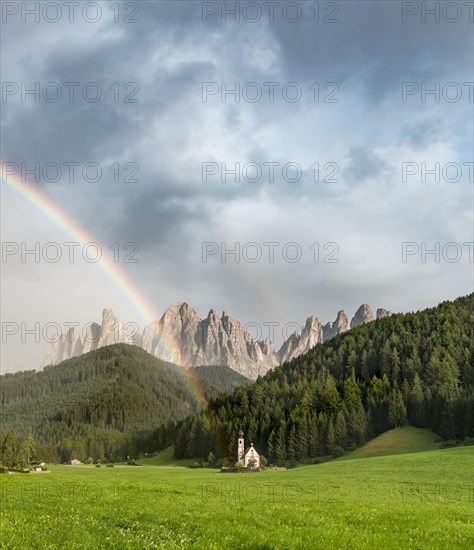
{"type": "Point", "coordinates": [301, 439]}
{"type": "Point", "coordinates": [416, 405]}
{"type": "Point", "coordinates": [313, 433]}
{"type": "Point", "coordinates": [397, 411]}
{"type": "Point", "coordinates": [291, 455]}
{"type": "Point", "coordinates": [351, 392]}
{"type": "Point", "coordinates": [10, 450]}
{"type": "Point", "coordinates": [280, 443]}
{"type": "Point", "coordinates": [447, 427]}
{"type": "Point", "coordinates": [271, 444]}
{"type": "Point", "coordinates": [331, 437]}
{"type": "Point", "coordinates": [29, 450]}
{"type": "Point", "coordinates": [340, 430]}
{"type": "Point", "coordinates": [357, 423]}
{"type": "Point", "coordinates": [323, 429]}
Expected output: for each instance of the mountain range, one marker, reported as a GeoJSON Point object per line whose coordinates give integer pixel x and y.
{"type": "Point", "coordinates": [182, 337]}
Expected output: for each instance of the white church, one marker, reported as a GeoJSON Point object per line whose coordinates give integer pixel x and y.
{"type": "Point", "coordinates": [248, 458]}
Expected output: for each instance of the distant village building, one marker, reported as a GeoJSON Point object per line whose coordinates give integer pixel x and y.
{"type": "Point", "coordinates": [248, 458]}
{"type": "Point", "coordinates": [75, 462]}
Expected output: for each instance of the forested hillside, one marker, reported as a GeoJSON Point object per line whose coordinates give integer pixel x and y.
{"type": "Point", "coordinates": [412, 368]}
{"type": "Point", "coordinates": [215, 380]}
{"type": "Point", "coordinates": [104, 404]}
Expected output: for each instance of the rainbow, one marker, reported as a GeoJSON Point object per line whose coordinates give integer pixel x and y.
{"type": "Point", "coordinates": [62, 219]}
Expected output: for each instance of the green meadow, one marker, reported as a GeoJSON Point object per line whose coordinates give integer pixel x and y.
{"type": "Point", "coordinates": [414, 501]}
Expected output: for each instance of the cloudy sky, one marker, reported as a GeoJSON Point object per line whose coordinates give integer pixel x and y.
{"type": "Point", "coordinates": [326, 119]}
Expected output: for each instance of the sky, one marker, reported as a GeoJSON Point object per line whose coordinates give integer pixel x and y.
{"type": "Point", "coordinates": [274, 160]}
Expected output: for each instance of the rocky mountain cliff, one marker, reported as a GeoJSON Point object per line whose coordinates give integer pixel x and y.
{"type": "Point", "coordinates": [182, 337]}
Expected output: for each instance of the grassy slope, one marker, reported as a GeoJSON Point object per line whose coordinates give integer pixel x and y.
{"type": "Point", "coordinates": [401, 440]}
{"type": "Point", "coordinates": [413, 501]}
{"type": "Point", "coordinates": [165, 458]}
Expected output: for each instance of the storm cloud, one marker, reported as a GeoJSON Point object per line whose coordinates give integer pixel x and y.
{"type": "Point", "coordinates": [318, 130]}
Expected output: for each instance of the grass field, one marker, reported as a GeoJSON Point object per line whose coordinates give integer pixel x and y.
{"type": "Point", "coordinates": [412, 501]}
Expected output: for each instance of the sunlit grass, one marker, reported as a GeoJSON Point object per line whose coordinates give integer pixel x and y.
{"type": "Point", "coordinates": [419, 501]}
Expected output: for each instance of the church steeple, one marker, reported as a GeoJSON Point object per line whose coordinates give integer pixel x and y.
{"type": "Point", "coordinates": [240, 447]}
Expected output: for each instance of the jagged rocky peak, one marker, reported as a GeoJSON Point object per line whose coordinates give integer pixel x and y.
{"type": "Point", "coordinates": [113, 331]}
{"type": "Point", "coordinates": [180, 310]}
{"type": "Point", "coordinates": [63, 347]}
{"type": "Point", "coordinates": [383, 313]}
{"type": "Point", "coordinates": [175, 337]}
{"type": "Point", "coordinates": [179, 315]}
{"type": "Point", "coordinates": [213, 316]}
{"type": "Point", "coordinates": [91, 339]}
{"type": "Point", "coordinates": [266, 346]}
{"type": "Point", "coordinates": [341, 324]}
{"type": "Point", "coordinates": [295, 345]}
{"type": "Point", "coordinates": [287, 350]}
{"type": "Point", "coordinates": [228, 321]}
{"type": "Point", "coordinates": [363, 315]}
{"type": "Point", "coordinates": [234, 329]}
{"type": "Point", "coordinates": [313, 326]}
{"type": "Point", "coordinates": [150, 335]}
{"type": "Point", "coordinates": [73, 342]}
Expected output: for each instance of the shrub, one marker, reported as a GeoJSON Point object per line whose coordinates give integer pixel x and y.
{"type": "Point", "coordinates": [20, 469]}
{"type": "Point", "coordinates": [468, 441]}
{"type": "Point", "coordinates": [109, 466]}
{"type": "Point", "coordinates": [3, 470]}
{"type": "Point", "coordinates": [322, 459]}
{"type": "Point", "coordinates": [338, 451]}
{"type": "Point", "coordinates": [310, 461]}
{"type": "Point", "coordinates": [211, 459]}
{"type": "Point", "coordinates": [98, 465]}
{"type": "Point", "coordinates": [447, 444]}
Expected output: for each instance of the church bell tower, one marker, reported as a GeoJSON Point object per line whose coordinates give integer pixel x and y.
{"type": "Point", "coordinates": [240, 447]}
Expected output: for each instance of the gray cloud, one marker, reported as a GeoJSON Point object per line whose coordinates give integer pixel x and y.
{"type": "Point", "coordinates": [170, 132]}
{"type": "Point", "coordinates": [424, 133]}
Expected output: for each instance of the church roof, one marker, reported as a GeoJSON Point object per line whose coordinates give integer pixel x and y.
{"type": "Point", "coordinates": [251, 448]}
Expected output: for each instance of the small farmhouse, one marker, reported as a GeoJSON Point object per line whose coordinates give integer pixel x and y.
{"type": "Point", "coordinates": [249, 458]}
